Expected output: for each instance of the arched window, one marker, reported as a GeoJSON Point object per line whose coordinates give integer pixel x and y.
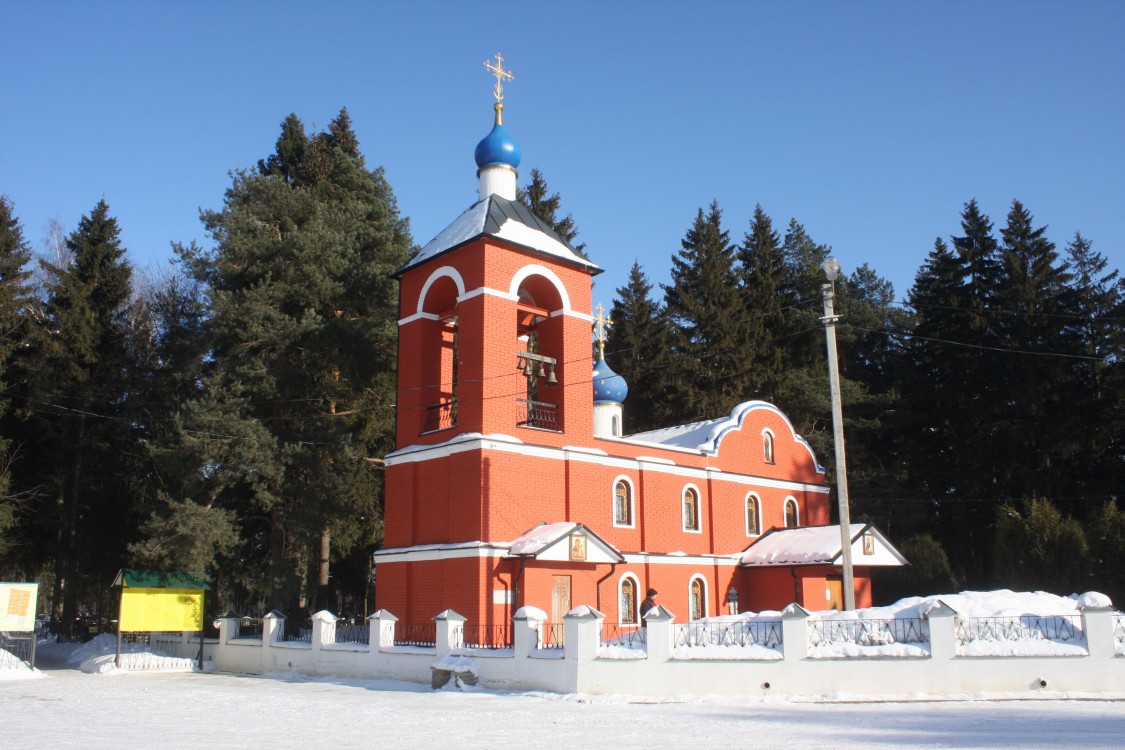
{"type": "Point", "coordinates": [627, 601]}
{"type": "Point", "coordinates": [698, 595]}
{"type": "Point", "coordinates": [791, 519]}
{"type": "Point", "coordinates": [767, 446]}
{"type": "Point", "coordinates": [622, 503]}
{"type": "Point", "coordinates": [615, 426]}
{"type": "Point", "coordinates": [691, 509]}
{"type": "Point", "coordinates": [753, 516]}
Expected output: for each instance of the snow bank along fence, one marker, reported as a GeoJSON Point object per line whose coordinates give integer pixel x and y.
{"type": "Point", "coordinates": [939, 653]}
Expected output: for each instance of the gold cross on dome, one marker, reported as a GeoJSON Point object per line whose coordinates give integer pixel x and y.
{"type": "Point", "coordinates": [602, 324]}
{"type": "Point", "coordinates": [501, 76]}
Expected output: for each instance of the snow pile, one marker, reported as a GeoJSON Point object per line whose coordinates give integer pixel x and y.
{"type": "Point", "coordinates": [13, 668]}
{"type": "Point", "coordinates": [97, 656]}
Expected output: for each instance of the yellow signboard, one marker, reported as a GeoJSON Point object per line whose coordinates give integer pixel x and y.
{"type": "Point", "coordinates": [144, 610]}
{"type": "Point", "coordinates": [17, 606]}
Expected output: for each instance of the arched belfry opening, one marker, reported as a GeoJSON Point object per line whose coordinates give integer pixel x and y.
{"type": "Point", "coordinates": [440, 355]}
{"type": "Point", "coordinates": [539, 347]}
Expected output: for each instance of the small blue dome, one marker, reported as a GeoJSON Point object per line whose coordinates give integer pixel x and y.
{"type": "Point", "coordinates": [608, 385]}
{"type": "Point", "coordinates": [498, 148]}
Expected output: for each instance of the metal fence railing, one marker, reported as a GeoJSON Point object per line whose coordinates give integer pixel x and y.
{"type": "Point", "coordinates": [250, 627]}
{"type": "Point", "coordinates": [868, 632]}
{"type": "Point", "coordinates": [1060, 628]}
{"type": "Point", "coordinates": [623, 634]}
{"type": "Point", "coordinates": [552, 635]}
{"type": "Point", "coordinates": [17, 650]}
{"type": "Point", "coordinates": [359, 632]}
{"type": "Point", "coordinates": [170, 644]}
{"type": "Point", "coordinates": [416, 634]}
{"type": "Point", "coordinates": [296, 631]}
{"type": "Point", "coordinates": [742, 633]}
{"type": "Point", "coordinates": [487, 636]}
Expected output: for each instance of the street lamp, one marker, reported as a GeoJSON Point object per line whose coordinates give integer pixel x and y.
{"type": "Point", "coordinates": [832, 271]}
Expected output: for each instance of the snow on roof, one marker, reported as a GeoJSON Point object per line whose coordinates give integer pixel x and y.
{"type": "Point", "coordinates": [541, 536]}
{"type": "Point", "coordinates": [705, 436]}
{"type": "Point", "coordinates": [505, 219]}
{"type": "Point", "coordinates": [819, 545]}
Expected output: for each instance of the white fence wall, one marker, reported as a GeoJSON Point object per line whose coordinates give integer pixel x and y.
{"type": "Point", "coordinates": [583, 667]}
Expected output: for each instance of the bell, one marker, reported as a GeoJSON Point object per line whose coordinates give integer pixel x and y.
{"type": "Point", "coordinates": [542, 370]}
{"type": "Point", "coordinates": [551, 379]}
{"type": "Point", "coordinates": [519, 363]}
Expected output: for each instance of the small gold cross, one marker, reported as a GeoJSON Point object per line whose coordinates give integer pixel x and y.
{"type": "Point", "coordinates": [501, 76]}
{"type": "Point", "coordinates": [602, 324]}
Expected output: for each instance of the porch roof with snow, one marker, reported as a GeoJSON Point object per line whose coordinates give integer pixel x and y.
{"type": "Point", "coordinates": [504, 219]}
{"type": "Point", "coordinates": [555, 542]}
{"type": "Point", "coordinates": [820, 545]}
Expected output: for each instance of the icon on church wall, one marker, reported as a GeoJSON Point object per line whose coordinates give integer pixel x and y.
{"type": "Point", "coordinates": [578, 547]}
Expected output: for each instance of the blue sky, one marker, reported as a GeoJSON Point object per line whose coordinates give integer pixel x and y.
{"type": "Point", "coordinates": [871, 123]}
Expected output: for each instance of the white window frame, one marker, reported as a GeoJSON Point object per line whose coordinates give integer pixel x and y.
{"type": "Point", "coordinates": [632, 503]}
{"type": "Point", "coordinates": [796, 512]}
{"type": "Point", "coordinates": [703, 602]}
{"type": "Point", "coordinates": [769, 447]}
{"type": "Point", "coordinates": [698, 509]}
{"type": "Point", "coordinates": [636, 598]}
{"type": "Point", "coordinates": [757, 512]}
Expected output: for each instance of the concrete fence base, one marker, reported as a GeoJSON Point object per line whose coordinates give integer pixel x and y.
{"type": "Point", "coordinates": [585, 666]}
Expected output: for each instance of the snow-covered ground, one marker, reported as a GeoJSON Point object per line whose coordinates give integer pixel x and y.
{"type": "Point", "coordinates": [135, 710]}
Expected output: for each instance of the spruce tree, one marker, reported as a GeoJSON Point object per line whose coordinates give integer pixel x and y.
{"type": "Point", "coordinates": [546, 207]}
{"type": "Point", "coordinates": [637, 349]}
{"type": "Point", "coordinates": [303, 345]}
{"type": "Point", "coordinates": [761, 267]}
{"type": "Point", "coordinates": [78, 413]}
{"type": "Point", "coordinates": [14, 323]}
{"type": "Point", "coordinates": [709, 319]}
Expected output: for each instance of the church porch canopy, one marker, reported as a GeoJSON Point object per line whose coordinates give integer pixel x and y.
{"type": "Point", "coordinates": [564, 541]}
{"type": "Point", "coordinates": [820, 545]}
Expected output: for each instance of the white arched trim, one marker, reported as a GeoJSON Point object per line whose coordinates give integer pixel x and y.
{"type": "Point", "coordinates": [796, 511]}
{"type": "Point", "coordinates": [537, 270]}
{"type": "Point", "coordinates": [439, 273]}
{"type": "Point", "coordinates": [703, 596]}
{"type": "Point", "coordinates": [632, 502]}
{"type": "Point", "coordinates": [698, 509]}
{"type": "Point", "coordinates": [734, 422]}
{"type": "Point", "coordinates": [636, 613]}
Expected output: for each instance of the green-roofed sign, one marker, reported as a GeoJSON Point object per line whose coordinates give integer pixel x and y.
{"type": "Point", "coordinates": [151, 579]}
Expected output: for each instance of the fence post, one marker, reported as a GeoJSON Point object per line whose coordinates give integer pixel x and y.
{"type": "Point", "coordinates": [450, 632]}
{"type": "Point", "coordinates": [323, 629]}
{"type": "Point", "coordinates": [943, 630]}
{"type": "Point", "coordinates": [1097, 623]}
{"type": "Point", "coordinates": [658, 638]}
{"type": "Point", "coordinates": [794, 632]}
{"type": "Point", "coordinates": [273, 629]}
{"type": "Point", "coordinates": [583, 629]}
{"type": "Point", "coordinates": [228, 627]}
{"type": "Point", "coordinates": [382, 630]}
{"type": "Point", "coordinates": [526, 623]}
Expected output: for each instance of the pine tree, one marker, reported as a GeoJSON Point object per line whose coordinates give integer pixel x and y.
{"type": "Point", "coordinates": [14, 323]}
{"type": "Point", "coordinates": [637, 349]}
{"type": "Point", "coordinates": [708, 318]}
{"type": "Point", "coordinates": [546, 207]}
{"type": "Point", "coordinates": [303, 341]}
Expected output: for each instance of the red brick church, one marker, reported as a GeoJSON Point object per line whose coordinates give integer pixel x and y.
{"type": "Point", "coordinates": [512, 483]}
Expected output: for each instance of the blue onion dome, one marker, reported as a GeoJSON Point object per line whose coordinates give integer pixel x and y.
{"type": "Point", "coordinates": [498, 148]}
{"type": "Point", "coordinates": [608, 385]}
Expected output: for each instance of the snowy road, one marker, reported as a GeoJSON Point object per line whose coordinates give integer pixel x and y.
{"type": "Point", "coordinates": [69, 709]}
